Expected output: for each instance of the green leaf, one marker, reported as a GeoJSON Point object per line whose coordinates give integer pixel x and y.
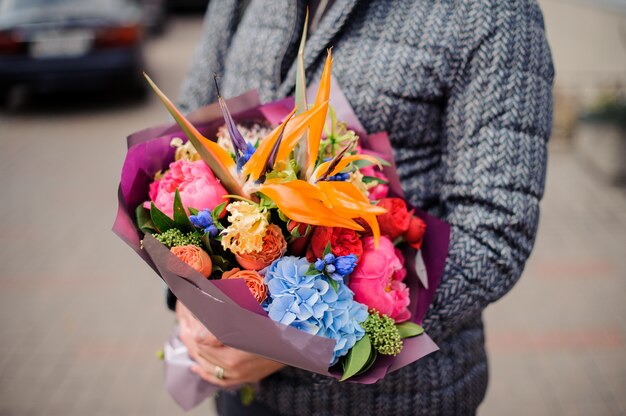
{"type": "Point", "coordinates": [206, 243]}
{"type": "Point", "coordinates": [180, 215]}
{"type": "Point", "coordinates": [333, 120]}
{"type": "Point", "coordinates": [373, 179]}
{"type": "Point", "coordinates": [327, 250]}
{"type": "Point", "coordinates": [370, 362]}
{"type": "Point", "coordinates": [295, 232]}
{"type": "Point", "coordinates": [333, 283]}
{"type": "Point", "coordinates": [283, 217]}
{"type": "Point", "coordinates": [409, 329]}
{"type": "Point", "coordinates": [364, 163]}
{"type": "Point", "coordinates": [217, 212]}
{"type": "Point", "coordinates": [160, 220]}
{"type": "Point", "coordinates": [300, 73]}
{"type": "Point", "coordinates": [192, 211]}
{"type": "Point", "coordinates": [301, 149]}
{"type": "Point", "coordinates": [312, 271]}
{"type": "Point", "coordinates": [357, 358]}
{"type": "Point", "coordinates": [144, 222]}
{"type": "Point", "coordinates": [220, 264]}
{"type": "Point", "coordinates": [246, 394]}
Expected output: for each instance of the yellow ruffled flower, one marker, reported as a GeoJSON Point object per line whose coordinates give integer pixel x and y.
{"type": "Point", "coordinates": [184, 150]}
{"type": "Point", "coordinates": [248, 225]}
{"type": "Point", "coordinates": [356, 179]}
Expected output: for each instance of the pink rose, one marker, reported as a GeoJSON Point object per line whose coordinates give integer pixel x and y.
{"type": "Point", "coordinates": [379, 191]}
{"type": "Point", "coordinates": [196, 184]}
{"type": "Point", "coordinates": [377, 280]}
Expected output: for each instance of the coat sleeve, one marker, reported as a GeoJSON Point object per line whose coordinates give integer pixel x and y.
{"type": "Point", "coordinates": [219, 25]}
{"type": "Point", "coordinates": [496, 126]}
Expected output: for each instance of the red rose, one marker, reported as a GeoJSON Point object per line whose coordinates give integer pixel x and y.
{"type": "Point", "coordinates": [415, 234]}
{"type": "Point", "coordinates": [342, 241]}
{"type": "Point", "coordinates": [396, 220]}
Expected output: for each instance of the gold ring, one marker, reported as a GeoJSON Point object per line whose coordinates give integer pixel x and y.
{"type": "Point", "coordinates": [219, 372]}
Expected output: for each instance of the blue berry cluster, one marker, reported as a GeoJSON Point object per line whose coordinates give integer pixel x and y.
{"type": "Point", "coordinates": [247, 154]}
{"type": "Point", "coordinates": [204, 221]}
{"type": "Point", "coordinates": [339, 177]}
{"type": "Point", "coordinates": [336, 267]}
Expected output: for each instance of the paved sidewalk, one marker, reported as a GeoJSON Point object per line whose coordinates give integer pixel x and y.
{"type": "Point", "coordinates": [557, 342]}
{"type": "Point", "coordinates": [81, 316]}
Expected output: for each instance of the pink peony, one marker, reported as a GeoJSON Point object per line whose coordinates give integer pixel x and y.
{"type": "Point", "coordinates": [196, 183]}
{"type": "Point", "coordinates": [377, 280]}
{"type": "Point", "coordinates": [380, 190]}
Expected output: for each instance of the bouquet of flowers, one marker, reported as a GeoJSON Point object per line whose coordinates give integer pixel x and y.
{"type": "Point", "coordinates": [287, 234]}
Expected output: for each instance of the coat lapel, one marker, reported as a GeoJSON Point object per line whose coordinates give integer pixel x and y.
{"type": "Point", "coordinates": [332, 22]}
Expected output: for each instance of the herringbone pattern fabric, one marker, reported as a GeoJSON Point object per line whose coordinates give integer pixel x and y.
{"type": "Point", "coordinates": [464, 90]}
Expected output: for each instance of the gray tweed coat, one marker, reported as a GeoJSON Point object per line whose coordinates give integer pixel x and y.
{"type": "Point", "coordinates": [463, 87]}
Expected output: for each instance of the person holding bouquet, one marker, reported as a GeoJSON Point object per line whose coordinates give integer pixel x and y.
{"type": "Point", "coordinates": [464, 91]}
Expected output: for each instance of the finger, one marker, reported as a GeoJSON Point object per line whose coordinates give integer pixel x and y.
{"type": "Point", "coordinates": [207, 364]}
{"type": "Point", "coordinates": [211, 378]}
{"type": "Point", "coordinates": [204, 336]}
{"type": "Point", "coordinates": [214, 355]}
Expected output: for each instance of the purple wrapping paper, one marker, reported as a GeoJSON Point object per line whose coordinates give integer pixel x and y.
{"type": "Point", "coordinates": [247, 326]}
{"type": "Point", "coordinates": [190, 389]}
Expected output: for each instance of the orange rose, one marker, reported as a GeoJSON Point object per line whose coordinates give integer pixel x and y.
{"type": "Point", "coordinates": [195, 257]}
{"type": "Point", "coordinates": [253, 280]}
{"type": "Point", "coordinates": [274, 247]}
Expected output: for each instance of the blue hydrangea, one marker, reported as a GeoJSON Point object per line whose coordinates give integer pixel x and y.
{"type": "Point", "coordinates": [204, 221]}
{"type": "Point", "coordinates": [309, 303]}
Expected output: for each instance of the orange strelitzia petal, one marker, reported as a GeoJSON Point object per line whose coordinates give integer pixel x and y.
{"type": "Point", "coordinates": [315, 132]}
{"type": "Point", "coordinates": [218, 159]}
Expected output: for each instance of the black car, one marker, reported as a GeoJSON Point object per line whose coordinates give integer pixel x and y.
{"type": "Point", "coordinates": [62, 45]}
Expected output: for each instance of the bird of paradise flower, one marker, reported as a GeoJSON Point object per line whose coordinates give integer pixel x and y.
{"type": "Point", "coordinates": [311, 199]}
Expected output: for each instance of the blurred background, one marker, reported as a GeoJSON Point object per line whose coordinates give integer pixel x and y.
{"type": "Point", "coordinates": [82, 317]}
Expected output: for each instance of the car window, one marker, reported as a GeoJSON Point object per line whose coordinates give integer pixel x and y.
{"type": "Point", "coordinates": [19, 5]}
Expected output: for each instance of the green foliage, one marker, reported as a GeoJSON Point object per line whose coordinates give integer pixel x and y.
{"type": "Point", "coordinates": [175, 238]}
{"type": "Point", "coordinates": [160, 220]}
{"type": "Point", "coordinates": [284, 175]}
{"type": "Point", "coordinates": [383, 333]}
{"type": "Point", "coordinates": [364, 163]}
{"type": "Point", "coordinates": [409, 329]}
{"type": "Point", "coordinates": [373, 179]}
{"type": "Point", "coordinates": [144, 222]}
{"type": "Point", "coordinates": [220, 265]}
{"type": "Point", "coordinates": [246, 394]}
{"type": "Point", "coordinates": [312, 271]}
{"type": "Point", "coordinates": [180, 215]}
{"type": "Point", "coordinates": [610, 108]}
{"type": "Point", "coordinates": [357, 358]}
{"type": "Point", "coordinates": [217, 213]}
